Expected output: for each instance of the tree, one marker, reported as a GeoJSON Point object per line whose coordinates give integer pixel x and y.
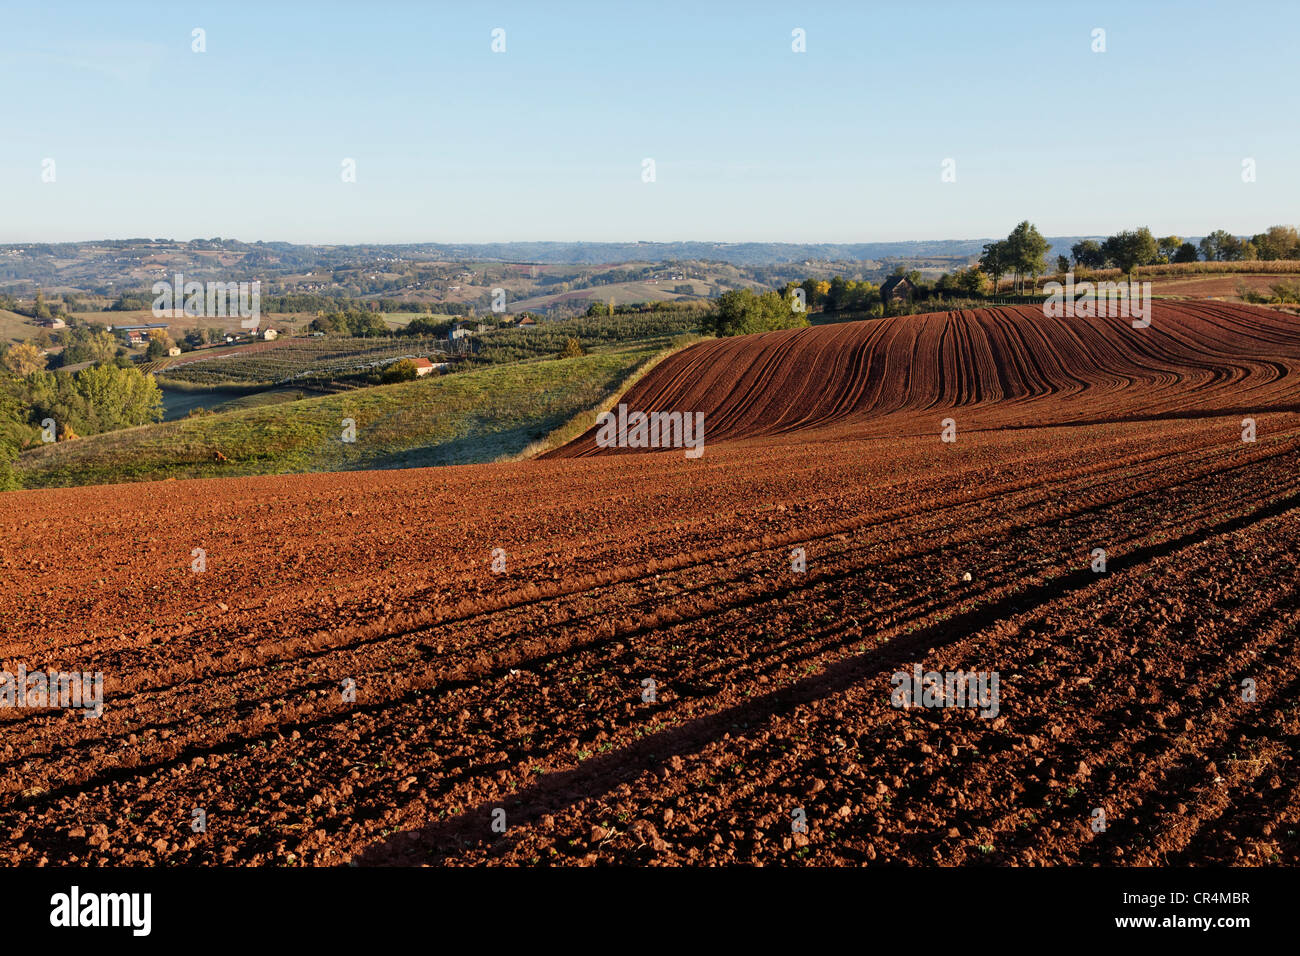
{"type": "Point", "coordinates": [1062, 264]}
{"type": "Point", "coordinates": [88, 344]}
{"type": "Point", "coordinates": [572, 348]}
{"type": "Point", "coordinates": [1186, 253]}
{"type": "Point", "coordinates": [118, 397]}
{"type": "Point", "coordinates": [1239, 250]}
{"type": "Point", "coordinates": [22, 360]}
{"type": "Point", "coordinates": [160, 345]}
{"type": "Point", "coordinates": [1089, 254]}
{"type": "Point", "coordinates": [1214, 246]}
{"type": "Point", "coordinates": [1028, 252]}
{"type": "Point", "coordinates": [815, 292]}
{"type": "Point", "coordinates": [995, 261]}
{"type": "Point", "coordinates": [439, 328]}
{"type": "Point", "coordinates": [741, 312]}
{"type": "Point", "coordinates": [403, 370]}
{"type": "Point", "coordinates": [971, 281]}
{"type": "Point", "coordinates": [1131, 248]}
{"type": "Point", "coordinates": [357, 322]}
{"type": "Point", "coordinates": [837, 294]}
{"type": "Point", "coordinates": [1280, 242]}
{"type": "Point", "coordinates": [1167, 247]}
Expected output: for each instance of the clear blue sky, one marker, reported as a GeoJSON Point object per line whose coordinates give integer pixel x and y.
{"type": "Point", "coordinates": [752, 142]}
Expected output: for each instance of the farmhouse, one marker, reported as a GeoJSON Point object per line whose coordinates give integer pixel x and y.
{"type": "Point", "coordinates": [52, 323]}
{"type": "Point", "coordinates": [133, 335]}
{"type": "Point", "coordinates": [897, 289]}
{"type": "Point", "coordinates": [423, 367]}
{"type": "Point", "coordinates": [528, 322]}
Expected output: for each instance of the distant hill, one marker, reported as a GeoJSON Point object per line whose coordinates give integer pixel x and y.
{"type": "Point", "coordinates": [110, 264]}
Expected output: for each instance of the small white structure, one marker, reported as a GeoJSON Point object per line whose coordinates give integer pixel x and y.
{"type": "Point", "coordinates": [269, 334]}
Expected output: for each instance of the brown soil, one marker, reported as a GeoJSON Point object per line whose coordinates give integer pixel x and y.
{"type": "Point", "coordinates": [522, 691]}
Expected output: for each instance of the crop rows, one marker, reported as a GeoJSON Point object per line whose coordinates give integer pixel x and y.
{"type": "Point", "coordinates": [517, 695]}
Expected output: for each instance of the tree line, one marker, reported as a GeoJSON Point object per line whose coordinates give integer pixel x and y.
{"type": "Point", "coordinates": [1138, 247]}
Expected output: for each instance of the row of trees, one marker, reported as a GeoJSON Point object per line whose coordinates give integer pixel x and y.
{"type": "Point", "coordinates": [837, 294]}
{"type": "Point", "coordinates": [350, 321]}
{"type": "Point", "coordinates": [1138, 247]}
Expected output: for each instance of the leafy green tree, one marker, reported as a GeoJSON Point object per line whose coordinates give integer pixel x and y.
{"type": "Point", "coordinates": [1089, 254]}
{"type": "Point", "coordinates": [971, 281]}
{"type": "Point", "coordinates": [88, 344]}
{"type": "Point", "coordinates": [15, 433]}
{"type": "Point", "coordinates": [1186, 253]}
{"type": "Point", "coordinates": [1239, 250]}
{"type": "Point", "coordinates": [995, 261]}
{"type": "Point", "coordinates": [366, 323]}
{"type": "Point", "coordinates": [1214, 247]}
{"type": "Point", "coordinates": [1028, 252]}
{"type": "Point", "coordinates": [1167, 247]}
{"type": "Point", "coordinates": [118, 397]}
{"type": "Point", "coordinates": [55, 395]}
{"type": "Point", "coordinates": [1131, 248]}
{"type": "Point", "coordinates": [742, 312]}
{"type": "Point", "coordinates": [1280, 242]}
{"type": "Point", "coordinates": [815, 292]}
{"type": "Point", "coordinates": [403, 370]}
{"type": "Point", "coordinates": [837, 294]}
{"type": "Point", "coordinates": [434, 327]}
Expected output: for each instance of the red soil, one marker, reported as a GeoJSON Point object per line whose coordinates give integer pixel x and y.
{"type": "Point", "coordinates": [523, 690]}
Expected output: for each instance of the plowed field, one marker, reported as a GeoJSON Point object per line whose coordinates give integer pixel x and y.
{"type": "Point", "coordinates": [519, 698]}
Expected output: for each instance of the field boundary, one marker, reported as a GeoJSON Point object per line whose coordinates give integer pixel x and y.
{"type": "Point", "coordinates": [586, 419]}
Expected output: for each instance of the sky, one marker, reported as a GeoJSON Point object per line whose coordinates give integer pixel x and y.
{"type": "Point", "coordinates": [750, 140]}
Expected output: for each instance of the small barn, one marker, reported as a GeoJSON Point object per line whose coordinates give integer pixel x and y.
{"type": "Point", "coordinates": [897, 289]}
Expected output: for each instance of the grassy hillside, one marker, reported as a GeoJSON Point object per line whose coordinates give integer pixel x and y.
{"type": "Point", "coordinates": [15, 327]}
{"type": "Point", "coordinates": [475, 416]}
